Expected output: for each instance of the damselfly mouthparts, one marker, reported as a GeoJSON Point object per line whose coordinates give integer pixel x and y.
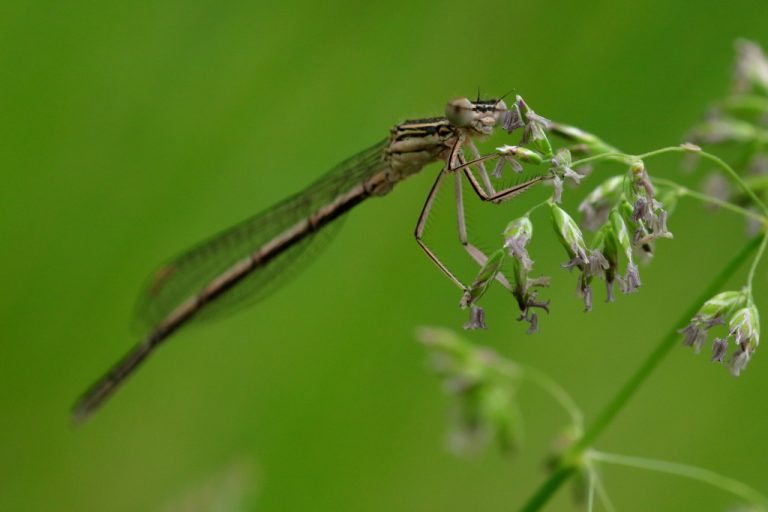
{"type": "Point", "coordinates": [243, 261]}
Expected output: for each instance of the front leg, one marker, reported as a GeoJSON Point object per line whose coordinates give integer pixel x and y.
{"type": "Point", "coordinates": [481, 167]}
{"type": "Point", "coordinates": [421, 223]}
{"type": "Point", "coordinates": [479, 256]}
{"type": "Point", "coordinates": [453, 162]}
{"type": "Point", "coordinates": [495, 197]}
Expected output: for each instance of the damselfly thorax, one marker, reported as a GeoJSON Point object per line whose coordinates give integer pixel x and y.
{"type": "Point", "coordinates": [245, 262]}
{"type": "Point", "coordinates": [420, 142]}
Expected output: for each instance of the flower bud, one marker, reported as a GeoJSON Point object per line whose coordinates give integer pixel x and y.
{"type": "Point", "coordinates": [557, 188]}
{"type": "Point", "coordinates": [498, 169]}
{"type": "Point", "coordinates": [626, 209]}
{"type": "Point", "coordinates": [620, 231]}
{"type": "Point", "coordinates": [520, 153]}
{"type": "Point", "coordinates": [605, 242]}
{"type": "Point", "coordinates": [631, 280]}
{"type": "Point", "coordinates": [535, 131]}
{"type": "Point", "coordinates": [739, 361]}
{"type": "Point", "coordinates": [482, 387]}
{"type": "Point", "coordinates": [668, 196]}
{"type": "Point", "coordinates": [484, 278]}
{"type": "Point", "coordinates": [719, 306]}
{"type": "Point", "coordinates": [512, 119]}
{"type": "Point", "coordinates": [476, 318]}
{"type": "Point", "coordinates": [744, 326]}
{"type": "Point", "coordinates": [570, 237]}
{"type": "Point", "coordinates": [711, 313]}
{"type": "Point", "coordinates": [516, 236]}
{"type": "Point", "coordinates": [648, 214]}
{"type": "Point", "coordinates": [523, 290]}
{"type": "Point", "coordinates": [562, 158]}
{"type": "Point", "coordinates": [562, 165]}
{"type": "Point", "coordinates": [595, 207]}
{"type": "Point", "coordinates": [751, 68]}
{"type": "Point", "coordinates": [719, 349]}
{"type": "Point", "coordinates": [641, 182]}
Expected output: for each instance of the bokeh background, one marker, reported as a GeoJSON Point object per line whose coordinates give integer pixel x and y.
{"type": "Point", "coordinates": [130, 130]}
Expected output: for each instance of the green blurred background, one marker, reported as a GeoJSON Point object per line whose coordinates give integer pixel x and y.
{"type": "Point", "coordinates": [130, 130]}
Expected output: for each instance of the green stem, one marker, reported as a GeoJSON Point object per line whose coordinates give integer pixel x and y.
{"type": "Point", "coordinates": [628, 157]}
{"type": "Point", "coordinates": [591, 491]}
{"type": "Point", "coordinates": [548, 488]}
{"type": "Point", "coordinates": [735, 176]}
{"type": "Point", "coordinates": [703, 475]}
{"type": "Point", "coordinates": [535, 207]}
{"type": "Point", "coordinates": [602, 156]}
{"type": "Point", "coordinates": [757, 182]}
{"type": "Point", "coordinates": [577, 135]}
{"type": "Point", "coordinates": [755, 262]}
{"type": "Point", "coordinates": [571, 460]}
{"type": "Point", "coordinates": [727, 169]}
{"type": "Point", "coordinates": [668, 149]}
{"type": "Point", "coordinates": [726, 205]}
{"type": "Point", "coordinates": [603, 494]}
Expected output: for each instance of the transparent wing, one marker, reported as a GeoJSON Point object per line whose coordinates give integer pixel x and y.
{"type": "Point", "coordinates": [272, 275]}
{"type": "Point", "coordinates": [189, 273]}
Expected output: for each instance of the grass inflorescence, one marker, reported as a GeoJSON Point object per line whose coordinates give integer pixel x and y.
{"type": "Point", "coordinates": [618, 223]}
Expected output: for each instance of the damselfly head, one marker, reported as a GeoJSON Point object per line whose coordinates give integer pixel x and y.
{"type": "Point", "coordinates": [481, 115]}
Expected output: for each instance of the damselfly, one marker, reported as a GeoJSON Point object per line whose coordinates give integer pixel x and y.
{"type": "Point", "coordinates": [247, 260]}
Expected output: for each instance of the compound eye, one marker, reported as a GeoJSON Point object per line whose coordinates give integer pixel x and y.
{"type": "Point", "coordinates": [460, 112]}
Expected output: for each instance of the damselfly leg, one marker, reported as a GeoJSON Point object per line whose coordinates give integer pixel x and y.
{"type": "Point", "coordinates": [479, 256]}
{"type": "Point", "coordinates": [421, 223]}
{"type": "Point", "coordinates": [480, 164]}
{"type": "Point", "coordinates": [502, 195]}
{"type": "Point", "coordinates": [458, 166]}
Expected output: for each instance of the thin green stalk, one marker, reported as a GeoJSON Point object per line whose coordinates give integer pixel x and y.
{"type": "Point", "coordinates": [625, 156]}
{"type": "Point", "coordinates": [755, 262]}
{"type": "Point", "coordinates": [661, 151]}
{"type": "Point", "coordinates": [603, 494]}
{"type": "Point", "coordinates": [681, 149]}
{"type": "Point", "coordinates": [601, 156]}
{"type": "Point", "coordinates": [735, 176]}
{"type": "Point", "coordinates": [726, 205]}
{"type": "Point", "coordinates": [571, 459]}
{"type": "Point", "coordinates": [548, 488]}
{"type": "Point", "coordinates": [535, 207]}
{"type": "Point", "coordinates": [757, 182]}
{"type": "Point", "coordinates": [725, 483]}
